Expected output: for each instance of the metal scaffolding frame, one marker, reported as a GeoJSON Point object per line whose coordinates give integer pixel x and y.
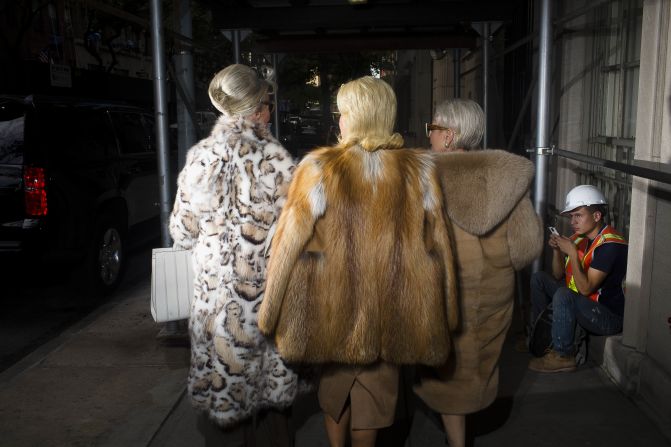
{"type": "Point", "coordinates": [486, 44]}
{"type": "Point", "coordinates": [161, 115]}
{"type": "Point", "coordinates": [542, 149]}
{"type": "Point", "coordinates": [543, 113]}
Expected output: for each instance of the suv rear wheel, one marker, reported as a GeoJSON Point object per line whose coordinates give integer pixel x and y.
{"type": "Point", "coordinates": [110, 256]}
{"type": "Point", "coordinates": [106, 258]}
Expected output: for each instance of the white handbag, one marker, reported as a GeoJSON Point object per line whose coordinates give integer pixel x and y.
{"type": "Point", "coordinates": [171, 284]}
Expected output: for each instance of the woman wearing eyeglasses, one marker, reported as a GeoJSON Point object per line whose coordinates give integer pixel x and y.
{"type": "Point", "coordinates": [229, 194]}
{"type": "Point", "coordinates": [458, 125]}
{"type": "Point", "coordinates": [496, 232]}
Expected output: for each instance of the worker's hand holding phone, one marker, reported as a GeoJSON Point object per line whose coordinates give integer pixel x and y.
{"type": "Point", "coordinates": [554, 235]}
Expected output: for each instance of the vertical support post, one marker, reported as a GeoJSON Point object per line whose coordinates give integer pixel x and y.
{"type": "Point", "coordinates": [457, 72]}
{"type": "Point", "coordinates": [236, 46]}
{"type": "Point", "coordinates": [543, 113]}
{"type": "Point", "coordinates": [161, 115]}
{"type": "Point", "coordinates": [325, 93]}
{"type": "Point", "coordinates": [485, 81]}
{"type": "Point", "coordinates": [276, 116]}
{"type": "Point", "coordinates": [186, 130]}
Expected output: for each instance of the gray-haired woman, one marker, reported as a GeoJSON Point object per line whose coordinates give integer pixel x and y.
{"type": "Point", "coordinates": [496, 232]}
{"type": "Point", "coordinates": [229, 193]}
{"type": "Point", "coordinates": [458, 125]}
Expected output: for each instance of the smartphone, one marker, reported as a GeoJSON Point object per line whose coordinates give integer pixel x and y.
{"type": "Point", "coordinates": [553, 230]}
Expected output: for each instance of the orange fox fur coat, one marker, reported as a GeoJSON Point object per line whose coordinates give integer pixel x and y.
{"type": "Point", "coordinates": [361, 267]}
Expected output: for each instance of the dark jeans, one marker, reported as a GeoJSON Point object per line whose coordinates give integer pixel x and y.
{"type": "Point", "coordinates": [543, 287]}
{"type": "Point", "coordinates": [568, 309]}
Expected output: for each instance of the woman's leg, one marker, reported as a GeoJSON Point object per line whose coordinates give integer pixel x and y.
{"type": "Point", "coordinates": [364, 438]}
{"type": "Point", "coordinates": [337, 431]}
{"type": "Point", "coordinates": [455, 427]}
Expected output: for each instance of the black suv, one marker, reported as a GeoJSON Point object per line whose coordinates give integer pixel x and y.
{"type": "Point", "coordinates": [78, 178]}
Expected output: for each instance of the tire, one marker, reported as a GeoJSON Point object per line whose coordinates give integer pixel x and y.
{"type": "Point", "coordinates": [106, 258]}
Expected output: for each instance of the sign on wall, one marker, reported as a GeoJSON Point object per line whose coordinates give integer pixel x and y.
{"type": "Point", "coordinates": [60, 75]}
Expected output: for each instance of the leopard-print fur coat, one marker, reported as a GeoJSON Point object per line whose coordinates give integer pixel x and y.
{"type": "Point", "coordinates": [229, 194]}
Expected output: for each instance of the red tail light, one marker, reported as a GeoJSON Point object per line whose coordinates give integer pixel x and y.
{"type": "Point", "coordinates": [35, 191]}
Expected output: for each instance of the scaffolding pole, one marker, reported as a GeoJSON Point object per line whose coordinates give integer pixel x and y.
{"type": "Point", "coordinates": [161, 115]}
{"type": "Point", "coordinates": [543, 114]}
{"type": "Point", "coordinates": [485, 81]}
{"type": "Point", "coordinates": [236, 45]}
{"type": "Point", "coordinates": [276, 115]}
{"type": "Point", "coordinates": [186, 124]}
{"type": "Point", "coordinates": [457, 72]}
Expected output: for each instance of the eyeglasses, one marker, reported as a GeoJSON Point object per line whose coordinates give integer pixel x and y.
{"type": "Point", "coordinates": [270, 104]}
{"type": "Point", "coordinates": [428, 127]}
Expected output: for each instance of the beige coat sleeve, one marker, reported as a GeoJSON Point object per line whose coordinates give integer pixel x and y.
{"type": "Point", "coordinates": [525, 234]}
{"type": "Point", "coordinates": [441, 241]}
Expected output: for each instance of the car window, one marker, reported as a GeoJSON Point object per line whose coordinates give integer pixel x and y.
{"type": "Point", "coordinates": [78, 134]}
{"type": "Point", "coordinates": [131, 132]}
{"type": "Point", "coordinates": [12, 123]}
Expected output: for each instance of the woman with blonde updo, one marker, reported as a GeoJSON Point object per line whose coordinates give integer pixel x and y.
{"type": "Point", "coordinates": [360, 277]}
{"type": "Point", "coordinates": [229, 194]}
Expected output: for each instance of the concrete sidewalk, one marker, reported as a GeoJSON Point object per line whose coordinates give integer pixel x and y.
{"type": "Point", "coordinates": [110, 382]}
{"type": "Point", "coordinates": [107, 381]}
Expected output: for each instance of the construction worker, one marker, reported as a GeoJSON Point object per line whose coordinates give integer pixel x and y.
{"type": "Point", "coordinates": [593, 263]}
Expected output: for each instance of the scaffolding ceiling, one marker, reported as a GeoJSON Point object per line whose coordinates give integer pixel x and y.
{"type": "Point", "coordinates": [341, 25]}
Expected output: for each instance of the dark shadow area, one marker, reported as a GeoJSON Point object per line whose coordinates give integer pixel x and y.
{"type": "Point", "coordinates": [490, 419]}
{"type": "Point", "coordinates": [41, 302]}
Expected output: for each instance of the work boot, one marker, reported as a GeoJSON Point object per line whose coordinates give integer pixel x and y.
{"type": "Point", "coordinates": [553, 362]}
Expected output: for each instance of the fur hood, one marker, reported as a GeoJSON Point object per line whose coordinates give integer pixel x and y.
{"type": "Point", "coordinates": [484, 188]}
{"type": "Point", "coordinates": [473, 182]}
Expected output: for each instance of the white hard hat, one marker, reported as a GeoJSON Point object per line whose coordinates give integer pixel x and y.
{"type": "Point", "coordinates": [583, 195]}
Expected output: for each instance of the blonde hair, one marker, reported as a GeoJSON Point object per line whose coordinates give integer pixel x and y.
{"type": "Point", "coordinates": [369, 106]}
{"type": "Point", "coordinates": [237, 90]}
{"type": "Point", "coordinates": [465, 117]}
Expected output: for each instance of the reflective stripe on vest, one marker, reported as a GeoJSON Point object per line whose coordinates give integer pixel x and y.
{"type": "Point", "coordinates": [606, 236]}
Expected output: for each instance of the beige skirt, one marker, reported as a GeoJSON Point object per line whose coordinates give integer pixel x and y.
{"type": "Point", "coordinates": [371, 392]}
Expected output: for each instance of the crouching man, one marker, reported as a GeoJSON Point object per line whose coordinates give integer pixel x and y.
{"type": "Point", "coordinates": [593, 263]}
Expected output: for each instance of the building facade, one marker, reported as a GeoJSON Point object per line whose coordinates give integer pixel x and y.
{"type": "Point", "coordinates": [611, 84]}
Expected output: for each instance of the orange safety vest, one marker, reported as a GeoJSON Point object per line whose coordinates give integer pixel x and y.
{"type": "Point", "coordinates": [606, 236]}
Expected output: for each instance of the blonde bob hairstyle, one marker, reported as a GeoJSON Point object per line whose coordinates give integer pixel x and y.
{"type": "Point", "coordinates": [237, 90]}
{"type": "Point", "coordinates": [466, 118]}
{"type": "Point", "coordinates": [368, 105]}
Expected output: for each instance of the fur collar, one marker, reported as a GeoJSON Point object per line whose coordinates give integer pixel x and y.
{"type": "Point", "coordinates": [234, 126]}
{"type": "Point", "coordinates": [481, 188]}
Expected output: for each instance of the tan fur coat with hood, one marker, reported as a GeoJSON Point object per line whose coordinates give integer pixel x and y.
{"type": "Point", "coordinates": [496, 231]}
{"type": "Point", "coordinates": [361, 265]}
